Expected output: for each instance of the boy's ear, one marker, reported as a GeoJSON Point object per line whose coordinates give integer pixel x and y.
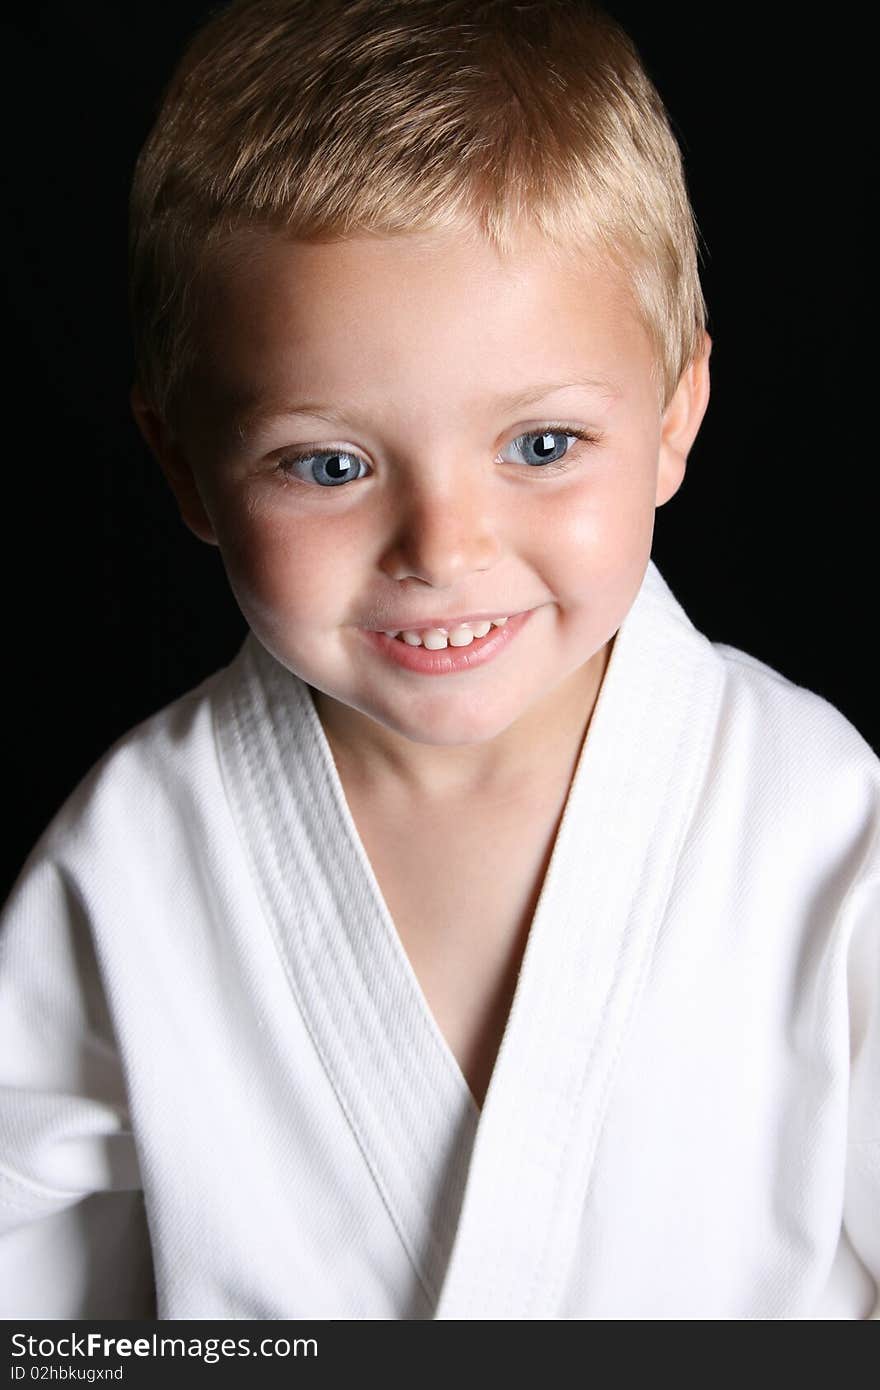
{"type": "Point", "coordinates": [681, 422]}
{"type": "Point", "coordinates": [170, 457]}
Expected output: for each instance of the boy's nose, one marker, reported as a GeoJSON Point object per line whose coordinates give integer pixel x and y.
{"type": "Point", "coordinates": [440, 537]}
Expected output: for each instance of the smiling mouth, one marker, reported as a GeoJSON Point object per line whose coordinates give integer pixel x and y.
{"type": "Point", "coordinates": [448, 651]}
{"type": "Point", "coordinates": [436, 639]}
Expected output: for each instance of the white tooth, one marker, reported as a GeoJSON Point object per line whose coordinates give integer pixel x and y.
{"type": "Point", "coordinates": [498, 622]}
{"type": "Point", "coordinates": [480, 629]}
{"type": "Point", "coordinates": [412, 639]}
{"type": "Point", "coordinates": [461, 636]}
{"type": "Point", "coordinates": [434, 639]}
{"type": "Point", "coordinates": [392, 634]}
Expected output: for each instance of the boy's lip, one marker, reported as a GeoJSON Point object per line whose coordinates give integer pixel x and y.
{"type": "Point", "coordinates": [450, 660]}
{"type": "Point", "coordinates": [422, 624]}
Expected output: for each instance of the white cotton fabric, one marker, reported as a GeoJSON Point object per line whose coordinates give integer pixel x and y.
{"type": "Point", "coordinates": [223, 1095]}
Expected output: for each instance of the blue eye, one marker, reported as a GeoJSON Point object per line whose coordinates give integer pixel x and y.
{"type": "Point", "coordinates": [327, 467]}
{"type": "Point", "coordinates": [549, 448]}
{"type": "Point", "coordinates": [541, 447]}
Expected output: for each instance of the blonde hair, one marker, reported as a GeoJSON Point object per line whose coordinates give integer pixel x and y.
{"type": "Point", "coordinates": [320, 119]}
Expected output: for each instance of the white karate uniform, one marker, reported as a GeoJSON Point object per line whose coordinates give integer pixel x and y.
{"type": "Point", "coordinates": [222, 1081]}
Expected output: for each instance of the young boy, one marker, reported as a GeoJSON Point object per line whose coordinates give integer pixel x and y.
{"type": "Point", "coordinates": [484, 942]}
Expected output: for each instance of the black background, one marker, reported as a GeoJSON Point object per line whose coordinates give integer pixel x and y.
{"type": "Point", "coordinates": [112, 608]}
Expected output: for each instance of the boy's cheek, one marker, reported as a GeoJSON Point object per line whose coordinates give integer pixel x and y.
{"type": "Point", "coordinates": [602, 531]}
{"type": "Point", "coordinates": [282, 572]}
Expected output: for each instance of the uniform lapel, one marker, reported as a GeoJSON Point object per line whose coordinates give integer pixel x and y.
{"type": "Point", "coordinates": [486, 1206]}
{"type": "Point", "coordinates": [586, 962]}
{"type": "Point", "coordinates": [390, 1067]}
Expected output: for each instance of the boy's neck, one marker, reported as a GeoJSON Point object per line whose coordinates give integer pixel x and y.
{"type": "Point", "coordinates": [550, 733]}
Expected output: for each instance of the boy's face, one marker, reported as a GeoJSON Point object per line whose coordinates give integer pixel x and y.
{"type": "Point", "coordinates": [446, 387]}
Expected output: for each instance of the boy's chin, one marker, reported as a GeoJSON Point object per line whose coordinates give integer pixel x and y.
{"type": "Point", "coordinates": [447, 724]}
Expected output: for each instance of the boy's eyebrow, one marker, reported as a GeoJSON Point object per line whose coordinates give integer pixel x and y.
{"type": "Point", "coordinates": [547, 388]}
{"type": "Point", "coordinates": [501, 401]}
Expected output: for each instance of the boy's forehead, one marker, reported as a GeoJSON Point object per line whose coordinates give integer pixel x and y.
{"type": "Point", "coordinates": [284, 320]}
{"type": "Point", "coordinates": [283, 271]}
